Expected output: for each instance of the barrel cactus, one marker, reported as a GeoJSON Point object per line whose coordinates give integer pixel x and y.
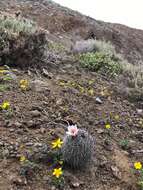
{"type": "Point", "coordinates": [77, 147]}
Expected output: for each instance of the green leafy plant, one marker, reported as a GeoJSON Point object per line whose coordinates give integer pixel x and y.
{"type": "Point", "coordinates": [124, 144]}
{"type": "Point", "coordinates": [139, 171]}
{"type": "Point", "coordinates": [28, 168]}
{"type": "Point", "coordinates": [17, 25]}
{"type": "Point", "coordinates": [56, 47]}
{"type": "Point", "coordinates": [58, 179]}
{"type": "Point", "coordinates": [101, 62]}
{"type": "Point", "coordinates": [4, 87]}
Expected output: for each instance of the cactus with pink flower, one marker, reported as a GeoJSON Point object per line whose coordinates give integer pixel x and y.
{"type": "Point", "coordinates": [77, 148]}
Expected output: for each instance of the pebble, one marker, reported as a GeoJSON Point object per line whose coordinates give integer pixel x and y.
{"type": "Point", "coordinates": [29, 144]}
{"type": "Point", "coordinates": [98, 100]}
{"type": "Point", "coordinates": [38, 144]}
{"type": "Point", "coordinates": [47, 74]}
{"type": "Point", "coordinates": [11, 130]}
{"type": "Point", "coordinates": [1, 143]}
{"type": "Point", "coordinates": [35, 113]}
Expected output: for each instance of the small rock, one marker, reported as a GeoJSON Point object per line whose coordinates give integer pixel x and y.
{"type": "Point", "coordinates": [100, 131]}
{"type": "Point", "coordinates": [108, 145]}
{"type": "Point", "coordinates": [38, 144]}
{"type": "Point", "coordinates": [74, 182]}
{"type": "Point", "coordinates": [59, 101]}
{"type": "Point", "coordinates": [1, 143]}
{"type": "Point", "coordinates": [35, 113]}
{"type": "Point", "coordinates": [29, 144]}
{"type": "Point", "coordinates": [116, 172]}
{"type": "Point", "coordinates": [42, 130]}
{"type": "Point", "coordinates": [30, 123]}
{"type": "Point", "coordinates": [47, 74]}
{"type": "Point", "coordinates": [53, 188]}
{"type": "Point", "coordinates": [18, 181]}
{"type": "Point", "coordinates": [5, 152]}
{"type": "Point", "coordinates": [39, 86]}
{"type": "Point", "coordinates": [36, 107]}
{"type": "Point", "coordinates": [9, 124]}
{"type": "Point", "coordinates": [140, 111]}
{"type": "Point", "coordinates": [11, 130]}
{"type": "Point", "coordinates": [17, 124]}
{"type": "Point", "coordinates": [98, 100]}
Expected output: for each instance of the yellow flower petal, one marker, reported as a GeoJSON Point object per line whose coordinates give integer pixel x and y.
{"type": "Point", "coordinates": [62, 83]}
{"type": "Point", "coordinates": [137, 165]}
{"type": "Point", "coordinates": [5, 105]}
{"type": "Point", "coordinates": [91, 91]}
{"type": "Point", "coordinates": [23, 87]}
{"type": "Point", "coordinates": [3, 71]}
{"type": "Point", "coordinates": [57, 172]}
{"type": "Point", "coordinates": [24, 84]}
{"type": "Point", "coordinates": [22, 158]}
{"type": "Point", "coordinates": [117, 117]}
{"type": "Point", "coordinates": [81, 88]}
{"type": "Point", "coordinates": [61, 162]}
{"type": "Point", "coordinates": [57, 143]}
{"type": "Point", "coordinates": [107, 126]}
{"type": "Point", "coordinates": [90, 82]}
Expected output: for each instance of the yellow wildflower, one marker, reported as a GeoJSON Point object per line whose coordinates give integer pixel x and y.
{"type": "Point", "coordinates": [57, 143]}
{"type": "Point", "coordinates": [22, 158]}
{"type": "Point", "coordinates": [107, 126]}
{"type": "Point", "coordinates": [24, 84]}
{"type": "Point", "coordinates": [23, 87]}
{"type": "Point", "coordinates": [57, 172]}
{"type": "Point", "coordinates": [91, 91]}
{"type": "Point", "coordinates": [90, 82]}
{"type": "Point", "coordinates": [3, 71]}
{"type": "Point", "coordinates": [141, 122]}
{"type": "Point", "coordinates": [65, 109]}
{"type": "Point", "coordinates": [61, 162]}
{"type": "Point", "coordinates": [72, 83]}
{"type": "Point", "coordinates": [5, 105]}
{"type": "Point", "coordinates": [62, 83]}
{"type": "Point", "coordinates": [81, 88]}
{"type": "Point", "coordinates": [138, 165]}
{"type": "Point", "coordinates": [117, 117]}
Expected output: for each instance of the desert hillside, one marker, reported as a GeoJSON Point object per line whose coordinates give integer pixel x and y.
{"type": "Point", "coordinates": [72, 25]}
{"type": "Point", "coordinates": [60, 72]}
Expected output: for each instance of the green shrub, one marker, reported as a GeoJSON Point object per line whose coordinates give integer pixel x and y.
{"type": "Point", "coordinates": [58, 47]}
{"type": "Point", "coordinates": [16, 25]}
{"type": "Point", "coordinates": [101, 62]}
{"type": "Point", "coordinates": [131, 82]}
{"type": "Point", "coordinates": [92, 45]}
{"type": "Point", "coordinates": [135, 75]}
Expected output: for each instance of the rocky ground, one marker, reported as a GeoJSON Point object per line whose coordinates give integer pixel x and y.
{"type": "Point", "coordinates": [59, 94]}
{"type": "Point", "coordinates": [40, 115]}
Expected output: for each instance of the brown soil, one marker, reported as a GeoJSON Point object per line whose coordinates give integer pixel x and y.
{"type": "Point", "coordinates": [112, 167]}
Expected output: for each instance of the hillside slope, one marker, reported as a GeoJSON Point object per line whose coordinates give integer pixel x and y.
{"type": "Point", "coordinates": [72, 25]}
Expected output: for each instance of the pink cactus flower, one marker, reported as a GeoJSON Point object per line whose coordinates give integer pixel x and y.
{"type": "Point", "coordinates": [72, 130]}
